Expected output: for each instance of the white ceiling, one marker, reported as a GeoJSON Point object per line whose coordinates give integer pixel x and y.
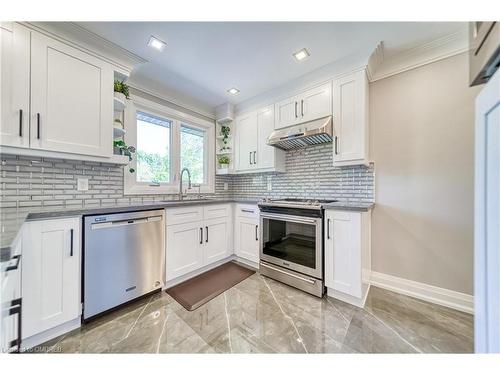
{"type": "Point", "coordinates": [204, 59]}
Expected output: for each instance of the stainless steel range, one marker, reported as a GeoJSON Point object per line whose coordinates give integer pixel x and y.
{"type": "Point", "coordinates": [291, 246]}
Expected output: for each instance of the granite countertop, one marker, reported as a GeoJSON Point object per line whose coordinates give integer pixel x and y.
{"type": "Point", "coordinates": [350, 206]}
{"type": "Point", "coordinates": [11, 219]}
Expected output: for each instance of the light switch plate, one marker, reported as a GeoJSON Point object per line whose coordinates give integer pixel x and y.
{"type": "Point", "coordinates": [83, 184]}
{"type": "Point", "coordinates": [226, 186]}
{"type": "Point", "coordinates": [269, 183]}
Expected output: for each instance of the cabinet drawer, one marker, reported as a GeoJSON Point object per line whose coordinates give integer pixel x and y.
{"type": "Point", "coordinates": [247, 210]}
{"type": "Point", "coordinates": [181, 215]}
{"type": "Point", "coordinates": [214, 211]}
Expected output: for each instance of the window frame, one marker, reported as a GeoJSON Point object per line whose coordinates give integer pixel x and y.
{"type": "Point", "coordinates": [177, 118]}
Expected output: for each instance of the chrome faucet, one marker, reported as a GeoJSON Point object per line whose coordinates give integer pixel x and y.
{"type": "Point", "coordinates": [181, 195]}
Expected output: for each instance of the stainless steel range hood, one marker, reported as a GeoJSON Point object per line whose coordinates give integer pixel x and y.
{"type": "Point", "coordinates": [303, 135]}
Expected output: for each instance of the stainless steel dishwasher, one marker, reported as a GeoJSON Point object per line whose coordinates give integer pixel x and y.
{"type": "Point", "coordinates": [123, 259]}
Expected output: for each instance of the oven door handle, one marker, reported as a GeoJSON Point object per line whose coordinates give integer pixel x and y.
{"type": "Point", "coordinates": [295, 219]}
{"type": "Point", "coordinates": [307, 280]}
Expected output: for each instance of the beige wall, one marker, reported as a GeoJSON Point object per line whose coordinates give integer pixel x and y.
{"type": "Point", "coordinates": [422, 142]}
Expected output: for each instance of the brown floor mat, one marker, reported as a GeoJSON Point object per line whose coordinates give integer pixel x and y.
{"type": "Point", "coordinates": [199, 290]}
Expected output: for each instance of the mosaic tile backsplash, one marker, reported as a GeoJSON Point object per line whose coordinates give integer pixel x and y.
{"type": "Point", "coordinates": [37, 182]}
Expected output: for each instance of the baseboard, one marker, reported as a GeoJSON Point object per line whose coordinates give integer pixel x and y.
{"type": "Point", "coordinates": [30, 342]}
{"type": "Point", "coordinates": [440, 296]}
{"type": "Point", "coordinates": [359, 302]}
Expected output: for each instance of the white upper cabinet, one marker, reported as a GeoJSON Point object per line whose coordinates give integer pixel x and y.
{"type": "Point", "coordinates": [253, 153]}
{"type": "Point", "coordinates": [15, 85]}
{"type": "Point", "coordinates": [71, 99]}
{"type": "Point", "coordinates": [350, 119]}
{"type": "Point", "coordinates": [246, 143]}
{"type": "Point", "coordinates": [287, 112]}
{"type": "Point", "coordinates": [309, 105]}
{"type": "Point", "coordinates": [316, 103]}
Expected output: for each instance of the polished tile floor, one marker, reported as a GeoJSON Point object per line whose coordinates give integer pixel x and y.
{"type": "Point", "coordinates": [261, 315]}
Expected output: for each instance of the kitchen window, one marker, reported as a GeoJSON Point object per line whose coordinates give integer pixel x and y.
{"type": "Point", "coordinates": [153, 149]}
{"type": "Point", "coordinates": [166, 141]}
{"type": "Point", "coordinates": [193, 150]}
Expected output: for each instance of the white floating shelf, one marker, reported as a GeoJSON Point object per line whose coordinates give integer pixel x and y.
{"type": "Point", "coordinates": [118, 132]}
{"type": "Point", "coordinates": [118, 105]}
{"type": "Point", "coordinates": [224, 152]}
{"type": "Point", "coordinates": [119, 159]}
{"type": "Point", "coordinates": [220, 171]}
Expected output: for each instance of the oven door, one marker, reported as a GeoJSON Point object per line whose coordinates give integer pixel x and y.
{"type": "Point", "coordinates": [293, 242]}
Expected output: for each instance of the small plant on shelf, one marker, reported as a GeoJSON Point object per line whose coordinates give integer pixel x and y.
{"type": "Point", "coordinates": [225, 131]}
{"type": "Point", "coordinates": [121, 148]}
{"type": "Point", "coordinates": [123, 88]}
{"type": "Point", "coordinates": [224, 161]}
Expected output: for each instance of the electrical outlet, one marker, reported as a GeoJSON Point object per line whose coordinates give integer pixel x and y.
{"type": "Point", "coordinates": [226, 186]}
{"type": "Point", "coordinates": [82, 184]}
{"type": "Point", "coordinates": [269, 183]}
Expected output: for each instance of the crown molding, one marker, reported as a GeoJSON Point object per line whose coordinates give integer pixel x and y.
{"type": "Point", "coordinates": [169, 99]}
{"type": "Point", "coordinates": [84, 39]}
{"type": "Point", "coordinates": [383, 66]}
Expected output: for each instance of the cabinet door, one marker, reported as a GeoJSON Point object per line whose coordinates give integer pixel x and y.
{"type": "Point", "coordinates": [51, 274]}
{"type": "Point", "coordinates": [216, 239]}
{"type": "Point", "coordinates": [350, 119]}
{"type": "Point", "coordinates": [184, 248]}
{"type": "Point", "coordinates": [265, 157]}
{"type": "Point", "coordinates": [343, 252]}
{"type": "Point", "coordinates": [287, 112]}
{"type": "Point", "coordinates": [71, 99]}
{"type": "Point", "coordinates": [246, 237]}
{"type": "Point", "coordinates": [246, 128]}
{"type": "Point", "coordinates": [316, 103]}
{"type": "Point", "coordinates": [15, 85]}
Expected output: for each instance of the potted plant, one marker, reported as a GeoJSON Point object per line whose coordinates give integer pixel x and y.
{"type": "Point", "coordinates": [121, 148]}
{"type": "Point", "coordinates": [121, 90]}
{"type": "Point", "coordinates": [225, 130]}
{"type": "Point", "coordinates": [224, 161]}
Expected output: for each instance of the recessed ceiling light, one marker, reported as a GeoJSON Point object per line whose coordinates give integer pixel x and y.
{"type": "Point", "coordinates": [301, 55]}
{"type": "Point", "coordinates": [156, 43]}
{"type": "Point", "coordinates": [233, 91]}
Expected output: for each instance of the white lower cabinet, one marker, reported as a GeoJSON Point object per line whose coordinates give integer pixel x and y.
{"type": "Point", "coordinates": [246, 232]}
{"type": "Point", "coordinates": [50, 274]}
{"type": "Point", "coordinates": [184, 248]}
{"type": "Point", "coordinates": [197, 236]}
{"type": "Point", "coordinates": [217, 235]}
{"type": "Point", "coordinates": [347, 255]}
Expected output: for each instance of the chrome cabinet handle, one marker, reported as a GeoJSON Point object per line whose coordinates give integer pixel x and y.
{"type": "Point", "coordinates": [206, 239]}
{"type": "Point", "coordinates": [38, 125]}
{"type": "Point", "coordinates": [302, 107]}
{"type": "Point", "coordinates": [20, 122]}
{"type": "Point", "coordinates": [336, 153]}
{"type": "Point", "coordinates": [201, 236]}
{"type": "Point", "coordinates": [256, 230]}
{"type": "Point", "coordinates": [249, 211]}
{"type": "Point", "coordinates": [328, 229]}
{"type": "Point", "coordinates": [250, 157]}
{"type": "Point", "coordinates": [296, 110]}
{"type": "Point", "coordinates": [254, 154]}
{"type": "Point", "coordinates": [71, 243]}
